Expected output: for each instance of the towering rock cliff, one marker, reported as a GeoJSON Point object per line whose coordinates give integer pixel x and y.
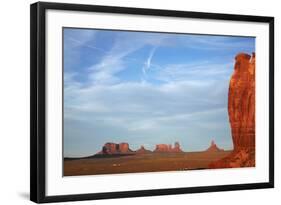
{"type": "Point", "coordinates": [241, 102]}
{"type": "Point", "coordinates": [241, 111]}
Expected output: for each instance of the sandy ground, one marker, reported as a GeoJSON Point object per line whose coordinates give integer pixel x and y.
{"type": "Point", "coordinates": [141, 163]}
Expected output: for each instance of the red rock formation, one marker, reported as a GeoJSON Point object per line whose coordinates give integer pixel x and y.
{"type": "Point", "coordinates": [142, 150]}
{"type": "Point", "coordinates": [124, 148]}
{"type": "Point", "coordinates": [177, 147]}
{"type": "Point", "coordinates": [239, 158]}
{"type": "Point", "coordinates": [109, 148]}
{"type": "Point", "coordinates": [162, 148]}
{"type": "Point", "coordinates": [213, 147]}
{"type": "Point", "coordinates": [113, 148]}
{"type": "Point", "coordinates": [241, 102]}
{"type": "Point", "coordinates": [241, 111]}
{"type": "Point", "coordinates": [165, 148]}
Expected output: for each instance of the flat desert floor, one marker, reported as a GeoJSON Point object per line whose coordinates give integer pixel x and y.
{"type": "Point", "coordinates": [153, 162]}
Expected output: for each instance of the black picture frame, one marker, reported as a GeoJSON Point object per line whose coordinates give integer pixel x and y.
{"type": "Point", "coordinates": [38, 101]}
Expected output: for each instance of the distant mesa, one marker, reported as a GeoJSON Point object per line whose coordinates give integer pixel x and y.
{"type": "Point", "coordinates": [111, 148]}
{"type": "Point", "coordinates": [167, 148]}
{"type": "Point", "coordinates": [123, 148]}
{"type": "Point", "coordinates": [214, 148]}
{"type": "Point", "coordinates": [142, 150]}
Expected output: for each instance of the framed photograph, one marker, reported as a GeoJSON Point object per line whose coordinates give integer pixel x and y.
{"type": "Point", "coordinates": [129, 102]}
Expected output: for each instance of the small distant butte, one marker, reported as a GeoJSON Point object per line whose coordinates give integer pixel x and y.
{"type": "Point", "coordinates": [214, 148]}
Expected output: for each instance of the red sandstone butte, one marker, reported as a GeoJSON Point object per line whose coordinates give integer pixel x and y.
{"type": "Point", "coordinates": [142, 150]}
{"type": "Point", "coordinates": [241, 112]}
{"type": "Point", "coordinates": [167, 148]}
{"type": "Point", "coordinates": [213, 147]}
{"type": "Point", "coordinates": [113, 148]}
{"type": "Point", "coordinates": [124, 148]}
{"type": "Point", "coordinates": [177, 147]}
{"type": "Point", "coordinates": [161, 148]}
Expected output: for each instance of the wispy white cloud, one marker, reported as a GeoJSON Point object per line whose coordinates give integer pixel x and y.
{"type": "Point", "coordinates": [203, 42]}
{"type": "Point", "coordinates": [148, 60]}
{"type": "Point", "coordinates": [84, 44]}
{"type": "Point", "coordinates": [195, 71]}
{"type": "Point", "coordinates": [143, 101]}
{"type": "Point", "coordinates": [79, 37]}
{"type": "Point", "coordinates": [115, 60]}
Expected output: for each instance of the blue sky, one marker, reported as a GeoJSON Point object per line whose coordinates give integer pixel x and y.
{"type": "Point", "coordinates": [147, 88]}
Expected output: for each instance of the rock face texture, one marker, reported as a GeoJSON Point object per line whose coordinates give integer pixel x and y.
{"type": "Point", "coordinates": [241, 111]}
{"type": "Point", "coordinates": [142, 150]}
{"type": "Point", "coordinates": [213, 147]}
{"type": "Point", "coordinates": [241, 102]}
{"type": "Point", "coordinates": [166, 148]}
{"type": "Point", "coordinates": [110, 148]}
{"type": "Point", "coordinates": [124, 148]}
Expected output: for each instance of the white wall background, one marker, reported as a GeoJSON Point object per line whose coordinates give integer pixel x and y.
{"type": "Point", "coordinates": [14, 100]}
